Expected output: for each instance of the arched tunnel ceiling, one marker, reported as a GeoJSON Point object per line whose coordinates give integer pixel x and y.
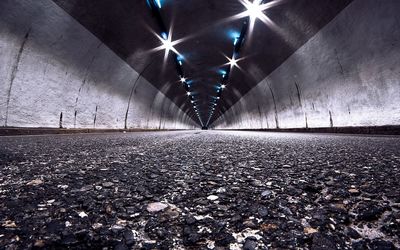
{"type": "Point", "coordinates": [125, 27]}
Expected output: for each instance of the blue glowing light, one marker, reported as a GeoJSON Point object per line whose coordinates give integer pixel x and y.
{"type": "Point", "coordinates": [158, 3]}
{"type": "Point", "coordinates": [236, 40]}
{"type": "Point", "coordinates": [234, 35]}
{"type": "Point", "coordinates": [164, 35]}
{"type": "Point", "coordinates": [222, 72]}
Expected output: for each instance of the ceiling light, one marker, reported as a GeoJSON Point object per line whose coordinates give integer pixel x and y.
{"type": "Point", "coordinates": [188, 93]}
{"type": "Point", "coordinates": [236, 40]}
{"type": "Point", "coordinates": [167, 43]}
{"type": "Point", "coordinates": [158, 3]}
{"type": "Point", "coordinates": [183, 80]}
{"type": "Point", "coordinates": [233, 61]}
{"type": "Point", "coordinates": [255, 10]}
{"type": "Point", "coordinates": [223, 86]}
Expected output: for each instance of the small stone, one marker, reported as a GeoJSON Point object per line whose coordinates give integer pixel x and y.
{"type": "Point", "coordinates": [250, 243]}
{"type": "Point", "coordinates": [190, 236]}
{"type": "Point", "coordinates": [266, 193]}
{"type": "Point", "coordinates": [212, 198]}
{"type": "Point", "coordinates": [96, 226]}
{"type": "Point", "coordinates": [359, 245]}
{"type": "Point", "coordinates": [9, 224]}
{"type": "Point", "coordinates": [35, 182]}
{"type": "Point", "coordinates": [354, 191]}
{"type": "Point", "coordinates": [310, 230]}
{"type": "Point", "coordinates": [321, 241]}
{"type": "Point", "coordinates": [268, 227]}
{"type": "Point", "coordinates": [107, 184]}
{"type": "Point", "coordinates": [171, 214]}
{"type": "Point", "coordinates": [221, 190]}
{"type": "Point", "coordinates": [39, 243]}
{"type": "Point", "coordinates": [381, 244]}
{"type": "Point", "coordinates": [156, 207]}
{"type": "Point", "coordinates": [263, 211]}
{"type": "Point", "coordinates": [109, 209]}
{"type": "Point", "coordinates": [352, 233]}
{"type": "Point", "coordinates": [63, 186]}
{"type": "Point", "coordinates": [129, 237]}
{"type": "Point", "coordinates": [190, 220]}
{"type": "Point", "coordinates": [257, 183]}
{"type": "Point", "coordinates": [121, 246]}
{"type": "Point", "coordinates": [117, 228]}
{"type": "Point", "coordinates": [249, 224]}
{"type": "Point", "coordinates": [224, 239]}
{"type": "Point", "coordinates": [82, 214]}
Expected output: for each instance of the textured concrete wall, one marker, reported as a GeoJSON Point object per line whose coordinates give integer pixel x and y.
{"type": "Point", "coordinates": [51, 66]}
{"type": "Point", "coordinates": [348, 74]}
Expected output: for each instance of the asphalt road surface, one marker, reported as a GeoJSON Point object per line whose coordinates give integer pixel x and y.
{"type": "Point", "coordinates": [200, 190]}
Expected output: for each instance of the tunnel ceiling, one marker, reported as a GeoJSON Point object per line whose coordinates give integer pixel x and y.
{"type": "Point", "coordinates": [126, 26]}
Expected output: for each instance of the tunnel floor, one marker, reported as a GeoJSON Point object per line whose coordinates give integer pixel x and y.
{"type": "Point", "coordinates": [199, 190]}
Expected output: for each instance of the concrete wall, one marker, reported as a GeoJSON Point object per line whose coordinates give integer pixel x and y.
{"type": "Point", "coordinates": [348, 74]}
{"type": "Point", "coordinates": [51, 65]}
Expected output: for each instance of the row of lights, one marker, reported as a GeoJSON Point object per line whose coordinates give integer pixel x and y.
{"type": "Point", "coordinates": [254, 10]}
{"type": "Point", "coordinates": [168, 46]}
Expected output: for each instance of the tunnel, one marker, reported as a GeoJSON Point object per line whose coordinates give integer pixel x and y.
{"type": "Point", "coordinates": [202, 124]}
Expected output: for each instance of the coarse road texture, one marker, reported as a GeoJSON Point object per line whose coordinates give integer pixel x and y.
{"type": "Point", "coordinates": [199, 190]}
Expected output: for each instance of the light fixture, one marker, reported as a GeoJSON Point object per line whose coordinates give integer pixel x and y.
{"type": "Point", "coordinates": [255, 10]}
{"type": "Point", "coordinates": [233, 61]}
{"type": "Point", "coordinates": [158, 3]}
{"type": "Point", "coordinates": [236, 40]}
{"type": "Point", "coordinates": [188, 93]}
{"type": "Point", "coordinates": [167, 43]}
{"type": "Point", "coordinates": [183, 79]}
{"type": "Point", "coordinates": [223, 86]}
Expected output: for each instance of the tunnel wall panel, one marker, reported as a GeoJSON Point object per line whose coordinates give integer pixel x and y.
{"type": "Point", "coordinates": [54, 72]}
{"type": "Point", "coordinates": [348, 74]}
